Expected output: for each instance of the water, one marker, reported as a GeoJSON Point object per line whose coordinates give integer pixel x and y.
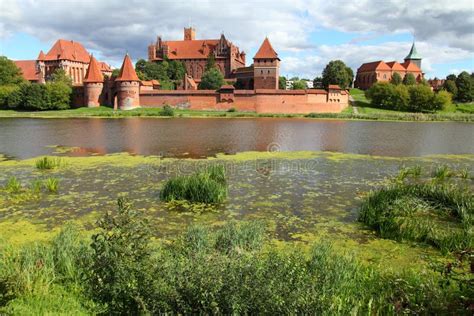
{"type": "Point", "coordinates": [194, 137]}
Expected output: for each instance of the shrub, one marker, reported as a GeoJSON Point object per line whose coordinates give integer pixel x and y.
{"type": "Point", "coordinates": [120, 269]}
{"type": "Point", "coordinates": [388, 96]}
{"type": "Point", "coordinates": [5, 93]}
{"type": "Point", "coordinates": [421, 98]}
{"type": "Point", "coordinates": [232, 110]}
{"type": "Point", "coordinates": [167, 111]}
{"type": "Point", "coordinates": [212, 79]}
{"type": "Point", "coordinates": [36, 97]}
{"type": "Point", "coordinates": [396, 79]}
{"type": "Point", "coordinates": [48, 163]}
{"type": "Point", "coordinates": [208, 186]}
{"type": "Point", "coordinates": [441, 100]}
{"type": "Point", "coordinates": [409, 79]}
{"type": "Point", "coordinates": [16, 98]}
{"type": "Point", "coordinates": [59, 94]}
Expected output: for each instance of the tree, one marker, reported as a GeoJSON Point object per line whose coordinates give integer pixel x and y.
{"type": "Point", "coordinates": [465, 87]}
{"type": "Point", "coordinates": [450, 86]}
{"type": "Point", "coordinates": [441, 100]}
{"type": "Point", "coordinates": [176, 70]}
{"type": "Point", "coordinates": [5, 94]}
{"type": "Point", "coordinates": [421, 98]}
{"type": "Point", "coordinates": [388, 96]}
{"type": "Point", "coordinates": [10, 74]}
{"type": "Point", "coordinates": [212, 79]}
{"type": "Point", "coordinates": [115, 72]}
{"type": "Point", "coordinates": [350, 73]}
{"type": "Point", "coordinates": [282, 83]}
{"type": "Point", "coordinates": [451, 77]}
{"type": "Point", "coordinates": [59, 75]}
{"type": "Point", "coordinates": [318, 82]}
{"type": "Point", "coordinates": [59, 95]}
{"type": "Point", "coordinates": [36, 97]}
{"type": "Point", "coordinates": [336, 72]}
{"type": "Point", "coordinates": [409, 79]}
{"type": "Point", "coordinates": [299, 85]}
{"type": "Point", "coordinates": [396, 79]}
{"type": "Point", "coordinates": [211, 62]}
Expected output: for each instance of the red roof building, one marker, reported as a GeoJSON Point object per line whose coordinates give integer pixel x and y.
{"type": "Point", "coordinates": [29, 70]}
{"type": "Point", "coordinates": [127, 72]}
{"type": "Point", "coordinates": [93, 73]}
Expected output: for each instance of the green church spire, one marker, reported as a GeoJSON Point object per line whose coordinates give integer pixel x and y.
{"type": "Point", "coordinates": [413, 53]}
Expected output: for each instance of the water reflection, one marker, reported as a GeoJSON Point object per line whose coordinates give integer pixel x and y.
{"type": "Point", "coordinates": [23, 138]}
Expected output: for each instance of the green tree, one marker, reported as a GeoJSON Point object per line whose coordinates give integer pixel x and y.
{"type": "Point", "coordinates": [211, 62]}
{"type": "Point", "coordinates": [212, 79]}
{"type": "Point", "coordinates": [59, 75]}
{"type": "Point", "coordinates": [16, 98]}
{"type": "Point", "coordinates": [318, 82]}
{"type": "Point", "coordinates": [441, 100]}
{"type": "Point", "coordinates": [299, 85]}
{"type": "Point", "coordinates": [282, 83]}
{"type": "Point", "coordinates": [336, 72]}
{"type": "Point", "coordinates": [59, 95]}
{"type": "Point", "coordinates": [176, 70]}
{"type": "Point", "coordinates": [421, 98]}
{"type": "Point", "coordinates": [350, 73]}
{"type": "Point", "coordinates": [5, 94]}
{"type": "Point", "coordinates": [465, 87]}
{"type": "Point", "coordinates": [450, 86]}
{"type": "Point", "coordinates": [115, 72]}
{"type": "Point", "coordinates": [451, 77]}
{"type": "Point", "coordinates": [388, 96]}
{"type": "Point", "coordinates": [396, 79]}
{"type": "Point", "coordinates": [10, 74]}
{"type": "Point", "coordinates": [400, 98]}
{"type": "Point", "coordinates": [409, 79]}
{"type": "Point", "coordinates": [36, 97]}
{"type": "Point", "coordinates": [120, 266]}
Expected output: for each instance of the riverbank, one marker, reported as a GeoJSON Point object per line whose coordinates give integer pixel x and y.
{"type": "Point", "coordinates": [348, 114]}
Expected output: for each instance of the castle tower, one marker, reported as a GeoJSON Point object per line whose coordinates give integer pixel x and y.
{"type": "Point", "coordinates": [413, 56]}
{"type": "Point", "coordinates": [266, 65]}
{"type": "Point", "coordinates": [93, 84]}
{"type": "Point", "coordinates": [128, 86]}
{"type": "Point", "coordinates": [189, 34]}
{"type": "Point", "coordinates": [40, 67]}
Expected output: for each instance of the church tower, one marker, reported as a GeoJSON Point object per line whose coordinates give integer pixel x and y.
{"type": "Point", "coordinates": [413, 56]}
{"type": "Point", "coordinates": [93, 84]}
{"type": "Point", "coordinates": [266, 67]}
{"type": "Point", "coordinates": [128, 86]}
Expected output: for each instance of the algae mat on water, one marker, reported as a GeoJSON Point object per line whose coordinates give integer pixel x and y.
{"type": "Point", "coordinates": [302, 196]}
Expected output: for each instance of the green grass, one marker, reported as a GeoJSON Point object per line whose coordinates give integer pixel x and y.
{"type": "Point", "coordinates": [13, 185]}
{"type": "Point", "coordinates": [208, 186]}
{"type": "Point", "coordinates": [51, 185]}
{"type": "Point", "coordinates": [433, 210]}
{"type": "Point", "coordinates": [48, 163]}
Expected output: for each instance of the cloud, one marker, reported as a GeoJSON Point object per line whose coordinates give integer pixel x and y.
{"type": "Point", "coordinates": [355, 55]}
{"type": "Point", "coordinates": [440, 21]}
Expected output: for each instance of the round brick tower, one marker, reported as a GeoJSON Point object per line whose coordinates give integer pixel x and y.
{"type": "Point", "coordinates": [127, 86]}
{"type": "Point", "coordinates": [93, 84]}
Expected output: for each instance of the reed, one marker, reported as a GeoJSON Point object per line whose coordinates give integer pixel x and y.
{"type": "Point", "coordinates": [208, 186]}
{"type": "Point", "coordinates": [51, 185]}
{"type": "Point", "coordinates": [48, 163]}
{"type": "Point", "coordinates": [13, 185]}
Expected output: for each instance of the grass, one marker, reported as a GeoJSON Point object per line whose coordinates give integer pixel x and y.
{"type": "Point", "coordinates": [230, 270]}
{"type": "Point", "coordinates": [433, 210]}
{"type": "Point", "coordinates": [48, 163]}
{"type": "Point", "coordinates": [208, 186]}
{"type": "Point", "coordinates": [51, 185]}
{"type": "Point", "coordinates": [13, 185]}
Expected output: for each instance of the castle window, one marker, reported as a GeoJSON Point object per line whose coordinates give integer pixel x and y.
{"type": "Point", "coordinates": [268, 71]}
{"type": "Point", "coordinates": [261, 72]}
{"type": "Point", "coordinates": [385, 76]}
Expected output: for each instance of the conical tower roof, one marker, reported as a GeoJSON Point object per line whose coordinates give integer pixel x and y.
{"type": "Point", "coordinates": [266, 51]}
{"type": "Point", "coordinates": [127, 72]}
{"type": "Point", "coordinates": [40, 56]}
{"type": "Point", "coordinates": [413, 53]}
{"type": "Point", "coordinates": [93, 73]}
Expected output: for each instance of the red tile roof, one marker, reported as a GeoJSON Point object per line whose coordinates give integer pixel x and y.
{"type": "Point", "coordinates": [127, 72]}
{"type": "Point", "coordinates": [40, 56]}
{"type": "Point", "coordinates": [266, 50]}
{"type": "Point", "coordinates": [411, 66]}
{"type": "Point", "coordinates": [190, 49]}
{"type": "Point", "coordinates": [28, 69]}
{"type": "Point", "coordinates": [67, 50]}
{"type": "Point", "coordinates": [93, 73]}
{"type": "Point", "coordinates": [227, 87]}
{"type": "Point", "coordinates": [334, 87]}
{"type": "Point", "coordinates": [395, 66]}
{"type": "Point", "coordinates": [104, 66]}
{"type": "Point", "coordinates": [375, 65]}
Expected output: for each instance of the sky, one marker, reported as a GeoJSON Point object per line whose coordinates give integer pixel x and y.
{"type": "Point", "coordinates": [306, 34]}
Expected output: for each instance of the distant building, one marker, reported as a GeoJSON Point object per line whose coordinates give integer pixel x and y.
{"type": "Point", "coordinates": [436, 84]}
{"type": "Point", "coordinates": [380, 71]}
{"type": "Point", "coordinates": [70, 56]}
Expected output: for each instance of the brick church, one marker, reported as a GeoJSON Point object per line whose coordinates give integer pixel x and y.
{"type": "Point", "coordinates": [380, 71]}
{"type": "Point", "coordinates": [194, 53]}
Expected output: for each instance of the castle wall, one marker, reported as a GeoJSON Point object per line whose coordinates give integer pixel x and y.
{"type": "Point", "coordinates": [260, 101]}
{"type": "Point", "coordinates": [92, 94]}
{"type": "Point", "coordinates": [128, 94]}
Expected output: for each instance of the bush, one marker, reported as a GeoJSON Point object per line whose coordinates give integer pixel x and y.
{"type": "Point", "coordinates": [5, 93]}
{"type": "Point", "coordinates": [388, 96]}
{"type": "Point", "coordinates": [48, 163]}
{"type": "Point", "coordinates": [166, 111]}
{"type": "Point", "coordinates": [207, 186]}
{"type": "Point", "coordinates": [396, 79]}
{"type": "Point", "coordinates": [409, 79]}
{"type": "Point", "coordinates": [421, 98]}
{"type": "Point", "coordinates": [59, 94]}
{"type": "Point", "coordinates": [120, 269]}
{"type": "Point", "coordinates": [16, 99]}
{"type": "Point", "coordinates": [232, 110]}
{"type": "Point", "coordinates": [212, 79]}
{"type": "Point", "coordinates": [442, 100]}
{"type": "Point", "coordinates": [36, 97]}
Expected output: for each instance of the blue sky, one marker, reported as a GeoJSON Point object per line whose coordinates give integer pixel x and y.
{"type": "Point", "coordinates": [306, 34]}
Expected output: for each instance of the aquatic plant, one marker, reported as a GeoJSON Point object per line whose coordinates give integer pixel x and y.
{"type": "Point", "coordinates": [51, 185]}
{"type": "Point", "coordinates": [36, 186]}
{"type": "Point", "coordinates": [435, 212]}
{"type": "Point", "coordinates": [442, 172]}
{"type": "Point", "coordinates": [208, 186]}
{"type": "Point", "coordinates": [48, 163]}
{"type": "Point", "coordinates": [13, 185]}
